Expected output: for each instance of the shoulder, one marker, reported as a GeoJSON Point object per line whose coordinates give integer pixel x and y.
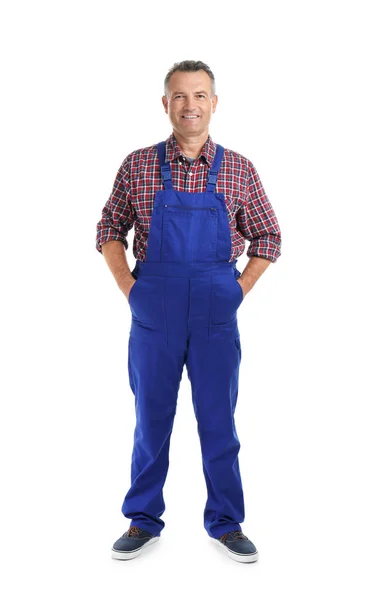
{"type": "Point", "coordinates": [238, 161]}
{"type": "Point", "coordinates": [140, 156]}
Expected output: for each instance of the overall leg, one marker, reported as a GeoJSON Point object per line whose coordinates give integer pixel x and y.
{"type": "Point", "coordinates": [155, 364]}
{"type": "Point", "coordinates": [213, 370]}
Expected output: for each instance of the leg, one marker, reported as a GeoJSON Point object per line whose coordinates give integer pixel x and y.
{"type": "Point", "coordinates": [213, 370]}
{"type": "Point", "coordinates": [155, 373]}
{"type": "Point", "coordinates": [156, 355]}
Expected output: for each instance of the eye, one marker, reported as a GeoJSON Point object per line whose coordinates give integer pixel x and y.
{"type": "Point", "coordinates": [201, 96]}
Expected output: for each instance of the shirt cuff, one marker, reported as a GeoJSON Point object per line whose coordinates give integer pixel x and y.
{"type": "Point", "coordinates": [265, 248]}
{"type": "Point", "coordinates": [107, 238]}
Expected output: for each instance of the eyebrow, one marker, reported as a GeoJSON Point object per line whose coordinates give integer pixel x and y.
{"type": "Point", "coordinates": [198, 92]}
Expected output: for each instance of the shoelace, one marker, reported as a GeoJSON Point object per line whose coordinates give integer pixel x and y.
{"type": "Point", "coordinates": [237, 535]}
{"type": "Point", "coordinates": [133, 531]}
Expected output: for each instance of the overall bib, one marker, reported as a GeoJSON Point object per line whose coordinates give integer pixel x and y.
{"type": "Point", "coordinates": [184, 311]}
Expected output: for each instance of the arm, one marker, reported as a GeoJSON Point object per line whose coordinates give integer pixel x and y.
{"type": "Point", "coordinates": [117, 219]}
{"type": "Point", "coordinates": [114, 254]}
{"type": "Point", "coordinates": [257, 222]}
{"type": "Point", "coordinates": [254, 268]}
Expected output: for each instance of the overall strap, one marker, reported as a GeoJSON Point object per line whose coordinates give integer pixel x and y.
{"type": "Point", "coordinates": [166, 171]}
{"type": "Point", "coordinates": [213, 173]}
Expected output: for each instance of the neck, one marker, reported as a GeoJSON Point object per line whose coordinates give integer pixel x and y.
{"type": "Point", "coordinates": [191, 147]}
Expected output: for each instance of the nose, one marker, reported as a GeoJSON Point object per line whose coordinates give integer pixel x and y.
{"type": "Point", "coordinates": [189, 105]}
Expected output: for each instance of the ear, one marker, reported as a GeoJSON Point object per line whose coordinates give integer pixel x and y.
{"type": "Point", "coordinates": [165, 103]}
{"type": "Point", "coordinates": [214, 102]}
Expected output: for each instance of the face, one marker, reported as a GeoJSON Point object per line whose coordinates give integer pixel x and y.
{"type": "Point", "coordinates": [190, 103]}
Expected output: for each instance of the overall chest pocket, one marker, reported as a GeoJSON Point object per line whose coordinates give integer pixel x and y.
{"type": "Point", "coordinates": [189, 234]}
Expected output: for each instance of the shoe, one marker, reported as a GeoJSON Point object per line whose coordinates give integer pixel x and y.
{"type": "Point", "coordinates": [132, 542]}
{"type": "Point", "coordinates": [238, 546]}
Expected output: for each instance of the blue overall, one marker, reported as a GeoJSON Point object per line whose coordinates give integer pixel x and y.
{"type": "Point", "coordinates": [184, 311]}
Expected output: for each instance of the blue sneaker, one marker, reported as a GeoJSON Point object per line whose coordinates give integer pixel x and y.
{"type": "Point", "coordinates": [132, 542]}
{"type": "Point", "coordinates": [238, 546]}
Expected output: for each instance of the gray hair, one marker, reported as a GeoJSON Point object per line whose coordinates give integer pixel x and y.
{"type": "Point", "coordinates": [188, 66]}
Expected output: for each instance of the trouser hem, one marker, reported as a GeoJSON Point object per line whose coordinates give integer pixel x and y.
{"type": "Point", "coordinates": [146, 526]}
{"type": "Point", "coordinates": [219, 531]}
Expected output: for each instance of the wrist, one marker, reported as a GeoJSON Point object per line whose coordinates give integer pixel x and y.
{"type": "Point", "coordinates": [247, 281]}
{"type": "Point", "coordinates": [126, 282]}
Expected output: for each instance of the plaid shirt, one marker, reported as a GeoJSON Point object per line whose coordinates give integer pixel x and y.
{"type": "Point", "coordinates": [250, 214]}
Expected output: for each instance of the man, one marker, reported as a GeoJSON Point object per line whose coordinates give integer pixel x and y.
{"type": "Point", "coordinates": [193, 205]}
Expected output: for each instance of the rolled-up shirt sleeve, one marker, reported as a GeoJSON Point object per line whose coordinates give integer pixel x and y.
{"type": "Point", "coordinates": [118, 215]}
{"type": "Point", "coordinates": [257, 221]}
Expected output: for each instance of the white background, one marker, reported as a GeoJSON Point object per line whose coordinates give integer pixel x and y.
{"type": "Point", "coordinates": [298, 95]}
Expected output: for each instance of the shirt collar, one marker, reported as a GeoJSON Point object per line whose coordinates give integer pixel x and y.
{"type": "Point", "coordinates": [173, 150]}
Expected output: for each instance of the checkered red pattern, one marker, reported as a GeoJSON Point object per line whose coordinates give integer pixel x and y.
{"type": "Point", "coordinates": [250, 213]}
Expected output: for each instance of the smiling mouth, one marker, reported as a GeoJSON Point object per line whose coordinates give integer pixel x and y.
{"type": "Point", "coordinates": [190, 117]}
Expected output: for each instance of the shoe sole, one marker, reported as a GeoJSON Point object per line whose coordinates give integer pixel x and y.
{"type": "Point", "coordinates": [129, 554]}
{"type": "Point", "coordinates": [244, 558]}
